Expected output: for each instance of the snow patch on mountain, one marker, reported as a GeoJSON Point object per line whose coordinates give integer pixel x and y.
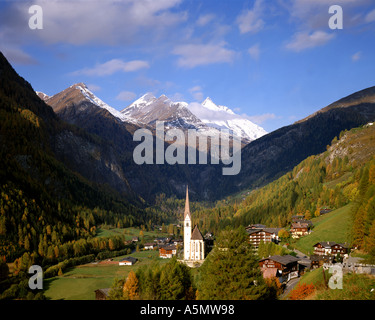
{"type": "Point", "coordinates": [221, 117]}
{"type": "Point", "coordinates": [98, 102]}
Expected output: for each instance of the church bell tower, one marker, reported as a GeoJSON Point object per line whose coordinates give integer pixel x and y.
{"type": "Point", "coordinates": [187, 227]}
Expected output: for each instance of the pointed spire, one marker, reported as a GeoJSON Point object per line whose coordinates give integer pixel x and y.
{"type": "Point", "coordinates": [187, 205]}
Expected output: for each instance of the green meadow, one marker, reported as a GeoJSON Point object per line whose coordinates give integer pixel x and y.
{"type": "Point", "coordinates": [80, 283]}
{"type": "Point", "coordinates": [130, 233]}
{"type": "Point", "coordinates": [333, 226]}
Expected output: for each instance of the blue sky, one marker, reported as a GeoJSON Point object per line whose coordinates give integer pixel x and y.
{"type": "Point", "coordinates": [273, 61]}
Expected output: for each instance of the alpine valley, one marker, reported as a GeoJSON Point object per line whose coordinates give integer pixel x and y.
{"type": "Point", "coordinates": [72, 195]}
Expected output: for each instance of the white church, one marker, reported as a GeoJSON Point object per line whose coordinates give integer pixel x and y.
{"type": "Point", "coordinates": [193, 241]}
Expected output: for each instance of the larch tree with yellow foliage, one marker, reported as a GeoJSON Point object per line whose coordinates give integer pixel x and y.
{"type": "Point", "coordinates": [131, 288]}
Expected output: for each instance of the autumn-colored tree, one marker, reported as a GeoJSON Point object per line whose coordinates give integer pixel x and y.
{"type": "Point", "coordinates": [274, 285]}
{"type": "Point", "coordinates": [284, 234]}
{"type": "Point", "coordinates": [317, 212]}
{"type": "Point", "coordinates": [301, 291]}
{"type": "Point", "coordinates": [131, 289]}
{"type": "Point", "coordinates": [111, 245]}
{"type": "Point", "coordinates": [60, 273]}
{"type": "Point", "coordinates": [308, 215]}
{"type": "Point", "coordinates": [371, 174]}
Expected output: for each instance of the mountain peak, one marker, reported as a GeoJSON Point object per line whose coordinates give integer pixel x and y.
{"type": "Point", "coordinates": [209, 104]}
{"type": "Point", "coordinates": [80, 84]}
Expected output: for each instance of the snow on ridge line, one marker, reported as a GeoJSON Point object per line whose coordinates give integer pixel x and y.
{"type": "Point", "coordinates": [98, 102]}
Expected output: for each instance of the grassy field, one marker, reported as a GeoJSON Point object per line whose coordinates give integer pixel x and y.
{"type": "Point", "coordinates": [333, 226]}
{"type": "Point", "coordinates": [80, 283]}
{"type": "Point", "coordinates": [130, 233]}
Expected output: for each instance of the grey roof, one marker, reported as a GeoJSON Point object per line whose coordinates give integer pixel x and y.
{"type": "Point", "coordinates": [168, 247]}
{"type": "Point", "coordinates": [284, 260]}
{"type": "Point", "coordinates": [269, 230]}
{"type": "Point", "coordinates": [256, 226]}
{"type": "Point", "coordinates": [105, 291]}
{"type": "Point", "coordinates": [131, 259]}
{"type": "Point", "coordinates": [196, 235]}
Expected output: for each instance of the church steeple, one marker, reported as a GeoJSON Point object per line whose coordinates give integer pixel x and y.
{"type": "Point", "coordinates": [187, 205]}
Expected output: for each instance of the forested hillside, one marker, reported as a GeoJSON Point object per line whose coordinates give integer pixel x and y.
{"type": "Point", "coordinates": [344, 173]}
{"type": "Point", "coordinates": [48, 212]}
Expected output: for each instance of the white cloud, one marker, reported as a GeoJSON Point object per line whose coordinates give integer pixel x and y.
{"type": "Point", "coordinates": [176, 97]}
{"type": "Point", "coordinates": [196, 93]}
{"type": "Point", "coordinates": [313, 14]}
{"type": "Point", "coordinates": [356, 56]}
{"type": "Point", "coordinates": [17, 56]}
{"type": "Point", "coordinates": [370, 17]}
{"type": "Point", "coordinates": [126, 96]}
{"type": "Point", "coordinates": [305, 40]}
{"type": "Point", "coordinates": [205, 19]}
{"type": "Point", "coordinates": [100, 22]}
{"type": "Point", "coordinates": [193, 55]}
{"type": "Point", "coordinates": [260, 119]}
{"type": "Point", "coordinates": [250, 20]}
{"type": "Point", "coordinates": [254, 51]}
{"type": "Point", "coordinates": [93, 87]}
{"type": "Point", "coordinates": [211, 115]}
{"type": "Point", "coordinates": [112, 66]}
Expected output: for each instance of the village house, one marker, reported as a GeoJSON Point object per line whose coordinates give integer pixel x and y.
{"type": "Point", "coordinates": [128, 261]}
{"type": "Point", "coordinates": [282, 267]}
{"type": "Point", "coordinates": [178, 242]}
{"type": "Point", "coordinates": [299, 229]}
{"type": "Point", "coordinates": [267, 235]}
{"type": "Point", "coordinates": [149, 246]}
{"type": "Point", "coordinates": [330, 248]}
{"type": "Point", "coordinates": [135, 239]}
{"type": "Point", "coordinates": [318, 260]}
{"type": "Point", "coordinates": [162, 241]}
{"type": "Point", "coordinates": [298, 218]}
{"type": "Point", "coordinates": [102, 294]}
{"type": "Point", "coordinates": [324, 211]}
{"type": "Point", "coordinates": [167, 251]}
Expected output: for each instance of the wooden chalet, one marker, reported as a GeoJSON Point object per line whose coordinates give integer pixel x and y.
{"type": "Point", "coordinates": [330, 248]}
{"type": "Point", "coordinates": [167, 251]}
{"type": "Point", "coordinates": [324, 211]}
{"type": "Point", "coordinates": [266, 235]}
{"type": "Point", "coordinates": [299, 229]}
{"type": "Point", "coordinates": [297, 218]}
{"type": "Point", "coordinates": [318, 260]}
{"type": "Point", "coordinates": [102, 294]}
{"type": "Point", "coordinates": [279, 266]}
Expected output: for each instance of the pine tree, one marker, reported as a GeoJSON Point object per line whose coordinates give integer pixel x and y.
{"type": "Point", "coordinates": [175, 281]}
{"type": "Point", "coordinates": [231, 271]}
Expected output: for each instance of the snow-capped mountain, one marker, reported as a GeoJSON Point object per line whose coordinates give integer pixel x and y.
{"type": "Point", "coordinates": [207, 117]}
{"type": "Point", "coordinates": [148, 109]}
{"type": "Point", "coordinates": [78, 93]}
{"type": "Point", "coordinates": [222, 117]}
